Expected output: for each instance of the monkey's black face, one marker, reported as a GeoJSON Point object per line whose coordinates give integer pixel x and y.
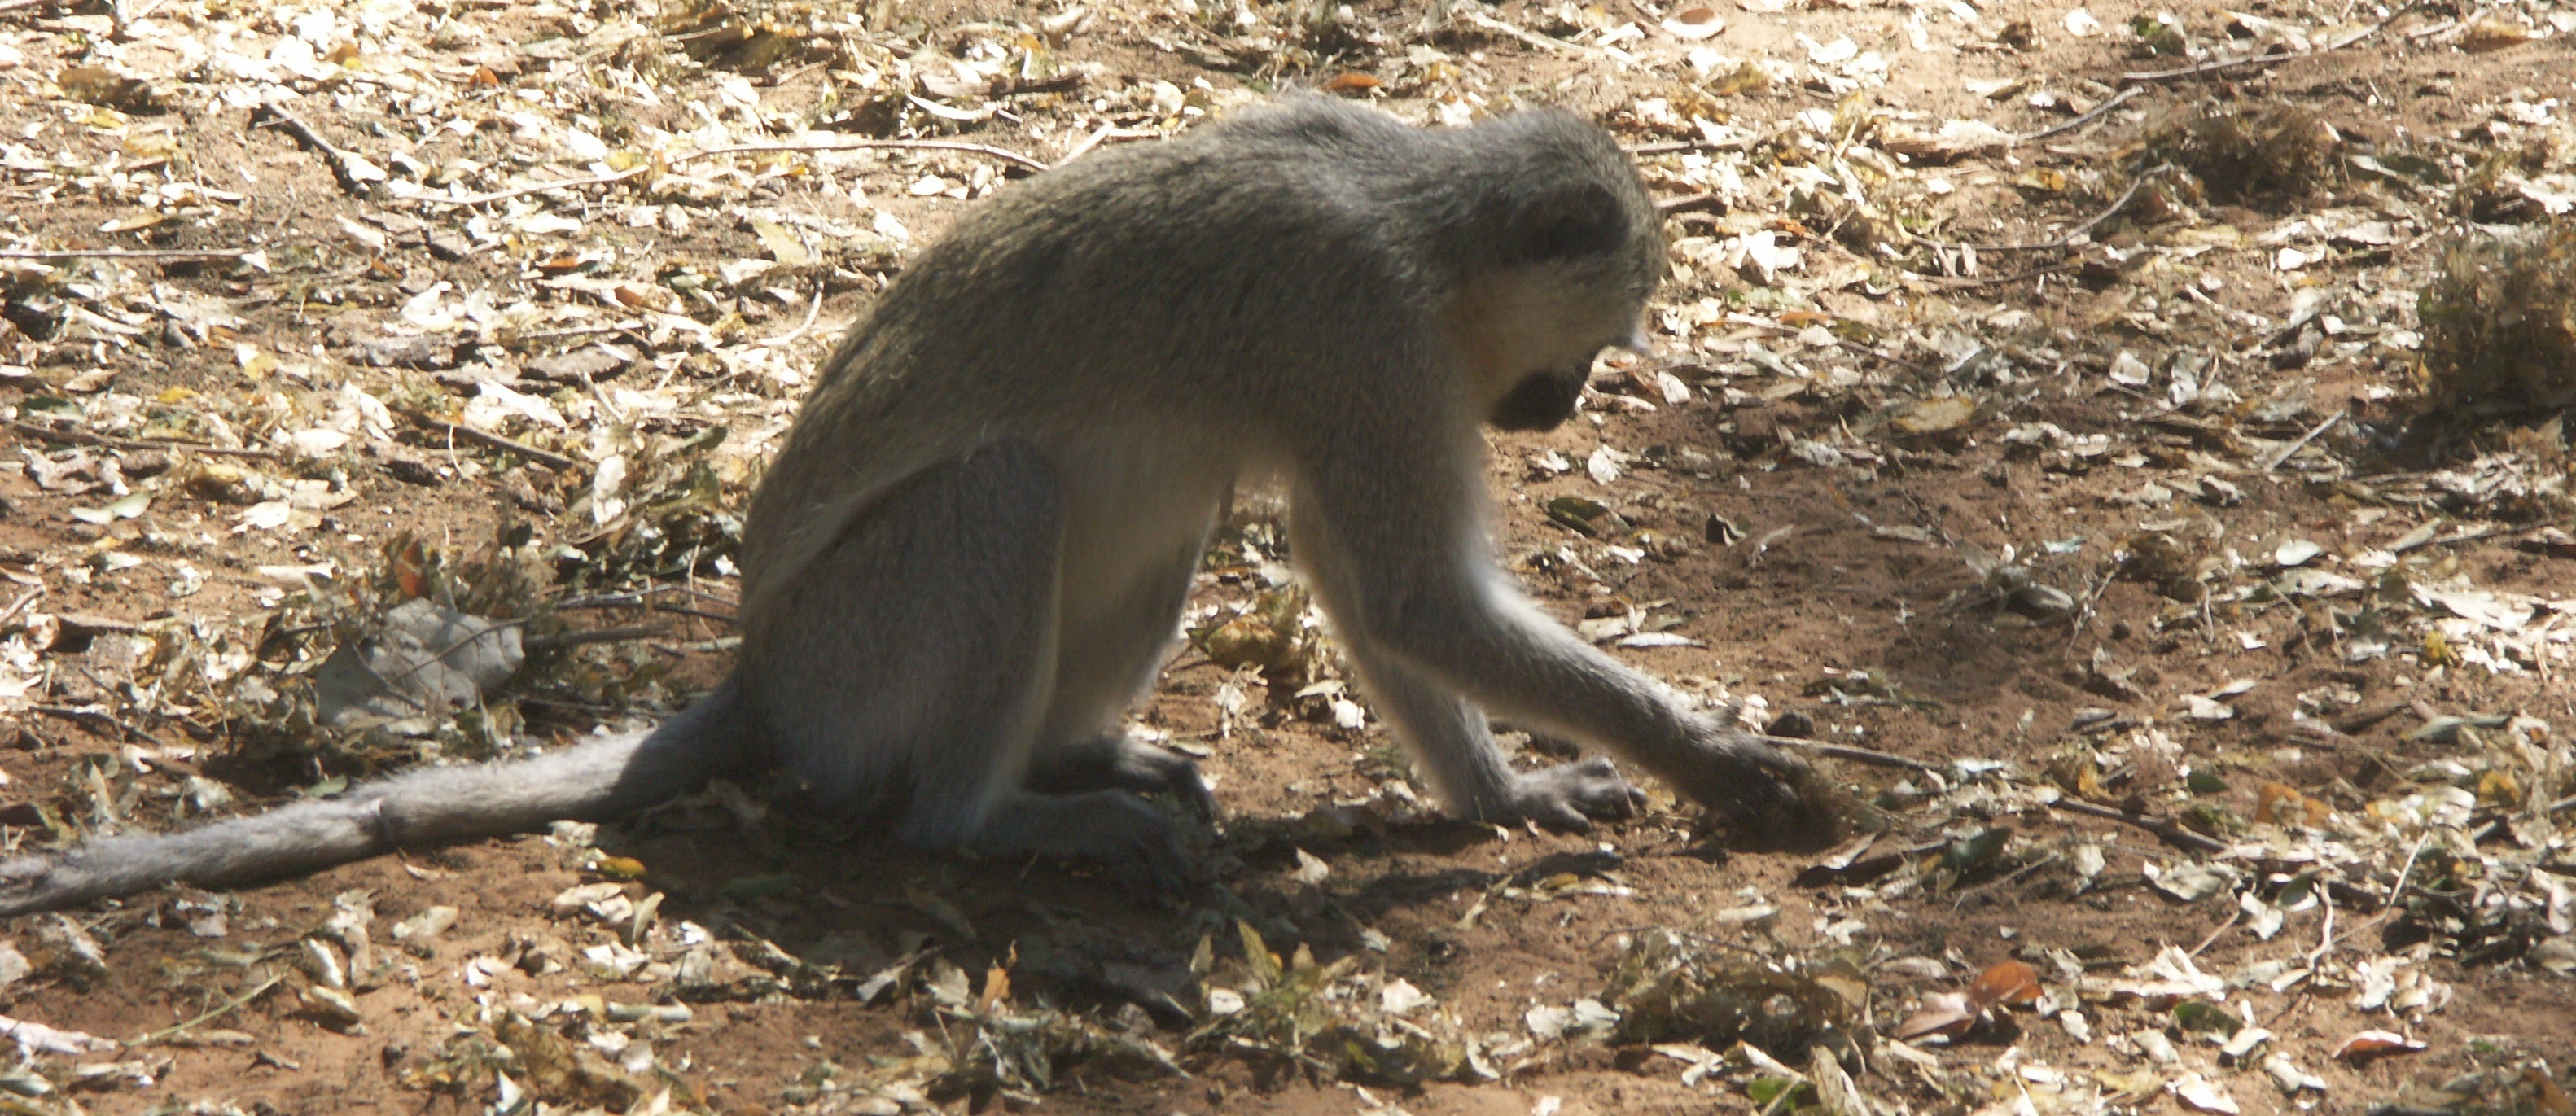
{"type": "Point", "coordinates": [1542, 400]}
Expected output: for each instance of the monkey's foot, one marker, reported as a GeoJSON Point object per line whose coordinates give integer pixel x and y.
{"type": "Point", "coordinates": [1121, 762]}
{"type": "Point", "coordinates": [1568, 796]}
{"type": "Point", "coordinates": [1134, 840]}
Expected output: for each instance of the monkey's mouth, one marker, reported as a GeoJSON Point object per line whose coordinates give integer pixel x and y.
{"type": "Point", "coordinates": [1542, 400]}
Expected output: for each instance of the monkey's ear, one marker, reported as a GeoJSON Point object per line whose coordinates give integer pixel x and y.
{"type": "Point", "coordinates": [1573, 222]}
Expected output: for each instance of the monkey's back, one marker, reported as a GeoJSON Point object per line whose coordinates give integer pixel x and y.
{"type": "Point", "coordinates": [1230, 283]}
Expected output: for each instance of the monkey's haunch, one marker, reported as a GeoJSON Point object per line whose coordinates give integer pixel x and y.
{"type": "Point", "coordinates": [596, 780]}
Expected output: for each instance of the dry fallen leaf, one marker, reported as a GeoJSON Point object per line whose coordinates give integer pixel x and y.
{"type": "Point", "coordinates": [2377, 1044]}
{"type": "Point", "coordinates": [2007, 982]}
{"type": "Point", "coordinates": [1699, 21]}
{"type": "Point", "coordinates": [1942, 1013]}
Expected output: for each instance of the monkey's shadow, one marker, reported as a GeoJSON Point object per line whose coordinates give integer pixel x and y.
{"type": "Point", "coordinates": [849, 896]}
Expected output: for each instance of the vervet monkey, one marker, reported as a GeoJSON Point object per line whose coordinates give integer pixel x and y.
{"type": "Point", "coordinates": [971, 555]}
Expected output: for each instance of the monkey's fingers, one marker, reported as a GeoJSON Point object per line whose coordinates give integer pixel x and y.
{"type": "Point", "coordinates": [1569, 796]}
{"type": "Point", "coordinates": [1767, 794]}
{"type": "Point", "coordinates": [1123, 762]}
{"type": "Point", "coordinates": [1137, 842]}
{"type": "Point", "coordinates": [1160, 769]}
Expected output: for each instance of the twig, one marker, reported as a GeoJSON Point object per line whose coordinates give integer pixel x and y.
{"type": "Point", "coordinates": [2064, 240]}
{"type": "Point", "coordinates": [1533, 38]}
{"type": "Point", "coordinates": [658, 609]}
{"type": "Point", "coordinates": [2216, 67]}
{"type": "Point", "coordinates": [124, 253]}
{"type": "Point", "coordinates": [560, 334]}
{"type": "Point", "coordinates": [2095, 113]}
{"type": "Point", "coordinates": [2471, 535]}
{"type": "Point", "coordinates": [1687, 203]}
{"type": "Point", "coordinates": [2269, 59]}
{"type": "Point", "coordinates": [2285, 452]}
{"type": "Point", "coordinates": [801, 327]}
{"type": "Point", "coordinates": [304, 134]}
{"type": "Point", "coordinates": [2034, 273]}
{"type": "Point", "coordinates": [547, 458]}
{"type": "Point", "coordinates": [596, 635]}
{"type": "Point", "coordinates": [2325, 933]}
{"type": "Point", "coordinates": [2232, 915]}
{"type": "Point", "coordinates": [532, 188]}
{"type": "Point", "coordinates": [222, 1009]}
{"type": "Point", "coordinates": [2172, 833]}
{"type": "Point", "coordinates": [636, 598]}
{"type": "Point", "coordinates": [1004, 154]}
{"type": "Point", "coordinates": [77, 713]}
{"type": "Point", "coordinates": [2408, 870]}
{"type": "Point", "coordinates": [1846, 752]}
{"type": "Point", "coordinates": [1106, 133]}
{"type": "Point", "coordinates": [21, 602]}
{"type": "Point", "coordinates": [85, 438]}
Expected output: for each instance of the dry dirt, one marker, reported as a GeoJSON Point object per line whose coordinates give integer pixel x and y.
{"type": "Point", "coordinates": [1845, 587]}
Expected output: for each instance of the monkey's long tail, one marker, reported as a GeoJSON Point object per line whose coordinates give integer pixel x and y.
{"type": "Point", "coordinates": [596, 780]}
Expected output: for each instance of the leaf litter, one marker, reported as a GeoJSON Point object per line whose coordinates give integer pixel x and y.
{"type": "Point", "coordinates": [2270, 808]}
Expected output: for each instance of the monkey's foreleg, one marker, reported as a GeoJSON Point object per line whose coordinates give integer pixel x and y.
{"type": "Point", "coordinates": [1504, 653]}
{"type": "Point", "coordinates": [1421, 598]}
{"type": "Point", "coordinates": [596, 780]}
{"type": "Point", "coordinates": [1470, 774]}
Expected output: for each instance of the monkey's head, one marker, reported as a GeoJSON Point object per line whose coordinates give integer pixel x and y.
{"type": "Point", "coordinates": [1572, 251]}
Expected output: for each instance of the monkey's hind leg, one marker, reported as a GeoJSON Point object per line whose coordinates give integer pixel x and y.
{"type": "Point", "coordinates": [915, 662]}
{"type": "Point", "coordinates": [1117, 761]}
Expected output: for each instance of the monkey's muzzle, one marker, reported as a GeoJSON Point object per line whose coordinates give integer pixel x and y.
{"type": "Point", "coordinates": [1542, 400]}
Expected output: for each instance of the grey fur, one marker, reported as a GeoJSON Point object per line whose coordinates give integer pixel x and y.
{"type": "Point", "coordinates": [969, 558]}
{"type": "Point", "coordinates": [596, 780]}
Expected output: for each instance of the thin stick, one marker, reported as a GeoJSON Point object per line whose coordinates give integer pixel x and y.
{"type": "Point", "coordinates": [228, 1006]}
{"type": "Point", "coordinates": [2408, 870]}
{"type": "Point", "coordinates": [2232, 915]}
{"type": "Point", "coordinates": [2117, 99]}
{"type": "Point", "coordinates": [2471, 535]}
{"type": "Point", "coordinates": [2135, 184]}
{"type": "Point", "coordinates": [596, 635]}
{"type": "Point", "coordinates": [2268, 59]}
{"type": "Point", "coordinates": [1106, 133]}
{"type": "Point", "coordinates": [85, 438]}
{"type": "Point", "coordinates": [1846, 752]}
{"type": "Point", "coordinates": [312, 140]}
{"type": "Point", "coordinates": [810, 313]}
{"type": "Point", "coordinates": [2172, 833]}
{"type": "Point", "coordinates": [1533, 38]}
{"type": "Point", "coordinates": [2284, 454]}
{"type": "Point", "coordinates": [123, 253]}
{"type": "Point", "coordinates": [76, 713]}
{"type": "Point", "coordinates": [1004, 154]}
{"type": "Point", "coordinates": [1686, 203]}
{"type": "Point", "coordinates": [2216, 67]}
{"type": "Point", "coordinates": [636, 601]}
{"type": "Point", "coordinates": [21, 602]}
{"type": "Point", "coordinates": [547, 458]}
{"type": "Point", "coordinates": [2034, 273]}
{"type": "Point", "coordinates": [533, 188]}
{"type": "Point", "coordinates": [2325, 935]}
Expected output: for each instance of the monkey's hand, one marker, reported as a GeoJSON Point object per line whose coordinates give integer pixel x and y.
{"type": "Point", "coordinates": [1761, 791]}
{"type": "Point", "coordinates": [1568, 796]}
